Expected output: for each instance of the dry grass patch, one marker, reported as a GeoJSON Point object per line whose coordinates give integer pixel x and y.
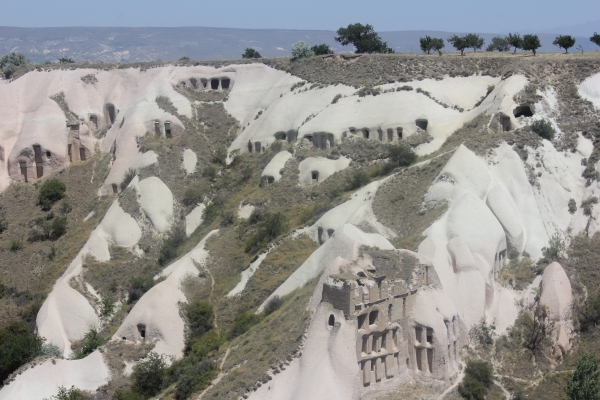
{"type": "Point", "coordinates": [32, 271]}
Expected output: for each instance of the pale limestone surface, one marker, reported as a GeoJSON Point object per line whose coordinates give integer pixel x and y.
{"type": "Point", "coordinates": [43, 381]}
{"type": "Point", "coordinates": [589, 89]}
{"type": "Point", "coordinates": [558, 297]}
{"type": "Point", "coordinates": [247, 274]}
{"type": "Point", "coordinates": [190, 161]}
{"type": "Point", "coordinates": [245, 211]}
{"type": "Point", "coordinates": [325, 167]}
{"type": "Point", "coordinates": [194, 219]}
{"type": "Point", "coordinates": [156, 200]}
{"type": "Point", "coordinates": [275, 167]}
{"type": "Point", "coordinates": [460, 91]}
{"type": "Point", "coordinates": [66, 315]}
{"type": "Point", "coordinates": [158, 309]}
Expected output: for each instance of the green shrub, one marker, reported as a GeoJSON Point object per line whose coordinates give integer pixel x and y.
{"type": "Point", "coordinates": [242, 323]}
{"type": "Point", "coordinates": [588, 204]}
{"type": "Point", "coordinates": [247, 173]}
{"type": "Point", "coordinates": [58, 228]}
{"type": "Point", "coordinates": [193, 195]}
{"type": "Point", "coordinates": [251, 53]}
{"type": "Point", "coordinates": [209, 172]}
{"type": "Point", "coordinates": [170, 246]}
{"type": "Point", "coordinates": [336, 98]}
{"type": "Point", "coordinates": [273, 305]}
{"type": "Point", "coordinates": [302, 50]}
{"type": "Point", "coordinates": [69, 394]}
{"type": "Point", "coordinates": [321, 49]}
{"type": "Point", "coordinates": [584, 382]}
{"type": "Point", "coordinates": [220, 156]}
{"type": "Point", "coordinates": [18, 345]}
{"type": "Point", "coordinates": [107, 307]}
{"type": "Point", "coordinates": [200, 317]}
{"type": "Point", "coordinates": [572, 206]}
{"type": "Point", "coordinates": [472, 389]}
{"type": "Point", "coordinates": [211, 341]}
{"type": "Point", "coordinates": [482, 333]}
{"type": "Point", "coordinates": [358, 179]}
{"type": "Point", "coordinates": [149, 376]}
{"type": "Point", "coordinates": [129, 175]}
{"type": "Point", "coordinates": [51, 191]}
{"type": "Point", "coordinates": [51, 350]}
{"type": "Point", "coordinates": [10, 62]}
{"type": "Point", "coordinates": [478, 378]}
{"type": "Point", "coordinates": [138, 287]}
{"type": "Point", "coordinates": [210, 213]}
{"type": "Point", "coordinates": [587, 312]}
{"type": "Point", "coordinates": [543, 128]}
{"type": "Point", "coordinates": [556, 247]}
{"type": "Point", "coordinates": [401, 154]}
{"type": "Point", "coordinates": [16, 245]}
{"type": "Point", "coordinates": [128, 395]}
{"type": "Point", "coordinates": [91, 341]}
{"type": "Point", "coordinates": [195, 378]}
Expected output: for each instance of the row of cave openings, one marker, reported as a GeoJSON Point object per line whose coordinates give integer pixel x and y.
{"type": "Point", "coordinates": [212, 84]}
{"type": "Point", "coordinates": [38, 160]}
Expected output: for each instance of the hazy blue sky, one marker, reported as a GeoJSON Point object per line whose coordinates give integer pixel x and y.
{"type": "Point", "coordinates": [456, 15]}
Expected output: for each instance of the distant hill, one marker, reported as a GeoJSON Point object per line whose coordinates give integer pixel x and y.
{"type": "Point", "coordinates": [147, 44]}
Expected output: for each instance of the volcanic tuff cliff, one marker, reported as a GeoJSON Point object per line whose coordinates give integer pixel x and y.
{"type": "Point", "coordinates": [248, 183]}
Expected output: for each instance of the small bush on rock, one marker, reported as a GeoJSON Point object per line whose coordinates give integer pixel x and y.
{"type": "Point", "coordinates": [251, 53]}
{"type": "Point", "coordinates": [69, 394]}
{"type": "Point", "coordinates": [138, 287]}
{"type": "Point", "coordinates": [401, 154]}
{"type": "Point", "coordinates": [302, 50]}
{"type": "Point", "coordinates": [51, 191]}
{"type": "Point", "coordinates": [478, 378]}
{"type": "Point", "coordinates": [273, 305]}
{"type": "Point", "coordinates": [584, 382]}
{"type": "Point", "coordinates": [129, 175]}
{"type": "Point", "coordinates": [242, 323]}
{"type": "Point", "coordinates": [357, 180]}
{"type": "Point", "coordinates": [321, 49]}
{"type": "Point", "coordinates": [543, 128]}
{"type": "Point", "coordinates": [18, 345]}
{"type": "Point", "coordinates": [149, 376]}
{"type": "Point", "coordinates": [10, 62]}
{"type": "Point", "coordinates": [91, 341]}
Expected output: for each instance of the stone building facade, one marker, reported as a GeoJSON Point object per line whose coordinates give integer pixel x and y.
{"type": "Point", "coordinates": [392, 341]}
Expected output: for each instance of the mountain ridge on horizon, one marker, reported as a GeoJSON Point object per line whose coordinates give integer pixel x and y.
{"type": "Point", "coordinates": [126, 44]}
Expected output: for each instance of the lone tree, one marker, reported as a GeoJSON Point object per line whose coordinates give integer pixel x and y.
{"type": "Point", "coordinates": [437, 44]}
{"type": "Point", "coordinates": [459, 43]}
{"type": "Point", "coordinates": [499, 43]}
{"type": "Point", "coordinates": [584, 382]}
{"type": "Point", "coordinates": [301, 50]}
{"type": "Point", "coordinates": [474, 41]}
{"type": "Point", "coordinates": [10, 62]}
{"type": "Point", "coordinates": [251, 53]}
{"type": "Point", "coordinates": [595, 38]}
{"type": "Point", "coordinates": [531, 42]}
{"type": "Point", "coordinates": [321, 49]}
{"type": "Point", "coordinates": [364, 39]}
{"type": "Point", "coordinates": [425, 44]}
{"type": "Point", "coordinates": [515, 40]}
{"type": "Point", "coordinates": [564, 42]}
